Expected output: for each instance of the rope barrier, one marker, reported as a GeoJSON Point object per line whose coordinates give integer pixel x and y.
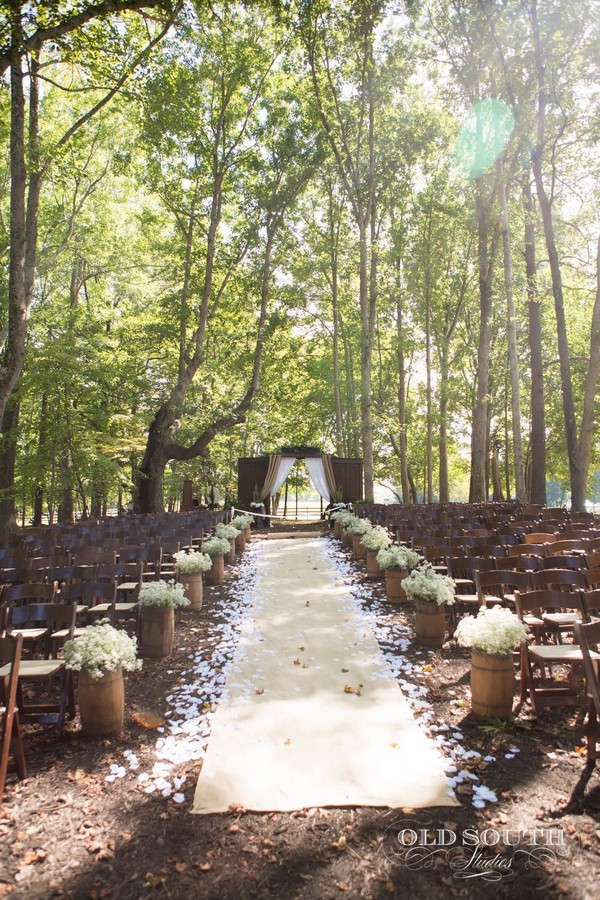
{"type": "Point", "coordinates": [261, 515]}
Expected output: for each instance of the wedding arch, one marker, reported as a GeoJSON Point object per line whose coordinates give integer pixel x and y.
{"type": "Point", "coordinates": [331, 476]}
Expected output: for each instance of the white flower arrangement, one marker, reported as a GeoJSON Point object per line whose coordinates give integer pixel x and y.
{"type": "Point", "coordinates": [495, 631]}
{"type": "Point", "coordinates": [228, 532]}
{"type": "Point", "coordinates": [102, 648]}
{"type": "Point", "coordinates": [357, 526]}
{"type": "Point", "coordinates": [376, 538]}
{"type": "Point", "coordinates": [398, 558]}
{"type": "Point", "coordinates": [242, 521]}
{"type": "Point", "coordinates": [216, 546]}
{"type": "Point", "coordinates": [424, 583]}
{"type": "Point", "coordinates": [342, 516]}
{"type": "Point", "coordinates": [191, 563]}
{"type": "Point", "coordinates": [162, 593]}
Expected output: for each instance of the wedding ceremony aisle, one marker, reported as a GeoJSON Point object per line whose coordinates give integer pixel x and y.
{"type": "Point", "coordinates": [311, 714]}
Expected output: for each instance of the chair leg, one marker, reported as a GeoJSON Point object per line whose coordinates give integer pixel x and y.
{"type": "Point", "coordinates": [591, 733]}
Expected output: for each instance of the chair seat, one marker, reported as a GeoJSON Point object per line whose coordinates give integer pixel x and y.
{"type": "Point", "coordinates": [128, 586]}
{"type": "Point", "coordinates": [30, 634]}
{"type": "Point", "coordinates": [125, 607]}
{"type": "Point", "coordinates": [63, 633]}
{"type": "Point", "coordinates": [35, 668]}
{"type": "Point", "coordinates": [561, 618]}
{"type": "Point", "coordinates": [557, 653]}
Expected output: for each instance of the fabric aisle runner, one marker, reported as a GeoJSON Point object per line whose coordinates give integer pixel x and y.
{"type": "Point", "coordinates": [312, 715]}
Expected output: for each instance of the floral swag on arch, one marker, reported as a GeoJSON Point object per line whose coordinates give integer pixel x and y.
{"type": "Point", "coordinates": [319, 468]}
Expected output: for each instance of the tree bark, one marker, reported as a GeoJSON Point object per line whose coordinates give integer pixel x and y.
{"type": "Point", "coordinates": [8, 455]}
{"type": "Point", "coordinates": [513, 361]}
{"type": "Point", "coordinates": [537, 487]}
{"type": "Point", "coordinates": [479, 434]}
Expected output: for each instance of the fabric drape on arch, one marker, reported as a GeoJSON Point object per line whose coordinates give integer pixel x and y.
{"type": "Point", "coordinates": [319, 469]}
{"type": "Point", "coordinates": [274, 460]}
{"type": "Point", "coordinates": [317, 474]}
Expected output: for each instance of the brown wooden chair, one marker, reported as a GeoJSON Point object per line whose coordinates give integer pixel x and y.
{"type": "Point", "coordinates": [499, 585]}
{"type": "Point", "coordinates": [538, 609]}
{"type": "Point", "coordinates": [562, 579]}
{"type": "Point", "coordinates": [540, 537]}
{"type": "Point", "coordinates": [10, 725]}
{"type": "Point", "coordinates": [587, 636]}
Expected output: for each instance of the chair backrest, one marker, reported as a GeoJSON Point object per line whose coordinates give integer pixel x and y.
{"type": "Point", "coordinates": [592, 560]}
{"type": "Point", "coordinates": [540, 537]}
{"type": "Point", "coordinates": [587, 635]}
{"type": "Point", "coordinates": [92, 557]}
{"type": "Point", "coordinates": [88, 592]}
{"type": "Point", "coordinates": [528, 550]}
{"type": "Point", "coordinates": [20, 575]}
{"type": "Point", "coordinates": [558, 547]}
{"type": "Point", "coordinates": [571, 579]}
{"type": "Point", "coordinates": [547, 600]}
{"type": "Point", "coordinates": [500, 582]}
{"type": "Point", "coordinates": [562, 561]}
{"type": "Point", "coordinates": [16, 594]}
{"type": "Point", "coordinates": [591, 597]}
{"type": "Point", "coordinates": [593, 577]}
{"type": "Point", "coordinates": [119, 572]}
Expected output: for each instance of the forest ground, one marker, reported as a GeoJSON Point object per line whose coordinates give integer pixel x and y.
{"type": "Point", "coordinates": [68, 832]}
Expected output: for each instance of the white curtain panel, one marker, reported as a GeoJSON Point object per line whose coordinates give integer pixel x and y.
{"type": "Point", "coordinates": [285, 467]}
{"type": "Point", "coordinates": [316, 471]}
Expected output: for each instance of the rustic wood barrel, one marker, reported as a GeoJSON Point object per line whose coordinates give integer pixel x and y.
{"type": "Point", "coordinates": [157, 631]}
{"type": "Point", "coordinates": [101, 703]}
{"type": "Point", "coordinates": [374, 571]}
{"type": "Point", "coordinates": [394, 591]}
{"type": "Point", "coordinates": [492, 685]}
{"type": "Point", "coordinates": [216, 573]}
{"type": "Point", "coordinates": [192, 585]}
{"type": "Point", "coordinates": [430, 623]}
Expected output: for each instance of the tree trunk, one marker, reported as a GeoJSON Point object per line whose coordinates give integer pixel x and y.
{"type": "Point", "coordinates": [479, 434]}
{"type": "Point", "coordinates": [591, 383]}
{"type": "Point", "coordinates": [402, 424]}
{"type": "Point", "coordinates": [575, 470]}
{"type": "Point", "coordinates": [513, 361]}
{"type": "Point", "coordinates": [537, 487]}
{"type": "Point", "coordinates": [8, 455]}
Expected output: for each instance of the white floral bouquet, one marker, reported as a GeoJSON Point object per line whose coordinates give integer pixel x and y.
{"type": "Point", "coordinates": [376, 538]}
{"type": "Point", "coordinates": [424, 583]}
{"type": "Point", "coordinates": [162, 593]}
{"type": "Point", "coordinates": [228, 532]}
{"type": "Point", "coordinates": [242, 521]}
{"type": "Point", "coordinates": [357, 526]}
{"type": "Point", "coordinates": [398, 558]}
{"type": "Point", "coordinates": [496, 631]}
{"type": "Point", "coordinates": [216, 546]}
{"type": "Point", "coordinates": [102, 648]}
{"type": "Point", "coordinates": [191, 563]}
{"type": "Point", "coordinates": [342, 516]}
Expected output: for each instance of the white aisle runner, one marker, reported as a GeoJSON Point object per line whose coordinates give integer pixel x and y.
{"type": "Point", "coordinates": [312, 715]}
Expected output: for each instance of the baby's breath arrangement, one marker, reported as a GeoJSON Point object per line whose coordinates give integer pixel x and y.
{"type": "Point", "coordinates": [357, 526]}
{"type": "Point", "coordinates": [342, 516]}
{"type": "Point", "coordinates": [425, 583]}
{"type": "Point", "coordinates": [102, 648]}
{"type": "Point", "coordinates": [242, 521]}
{"type": "Point", "coordinates": [376, 538]}
{"type": "Point", "coordinates": [216, 546]}
{"type": "Point", "coordinates": [162, 593]}
{"type": "Point", "coordinates": [192, 563]}
{"type": "Point", "coordinates": [398, 558]}
{"type": "Point", "coordinates": [228, 532]}
{"type": "Point", "coordinates": [496, 631]}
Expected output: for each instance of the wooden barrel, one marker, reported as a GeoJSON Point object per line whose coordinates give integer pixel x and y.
{"type": "Point", "coordinates": [230, 556]}
{"type": "Point", "coordinates": [240, 542]}
{"type": "Point", "coordinates": [492, 685]}
{"type": "Point", "coordinates": [393, 585]}
{"type": "Point", "coordinates": [248, 534]}
{"type": "Point", "coordinates": [337, 529]}
{"type": "Point", "coordinates": [346, 538]}
{"type": "Point", "coordinates": [216, 573]}
{"type": "Point", "coordinates": [192, 584]}
{"type": "Point", "coordinates": [101, 703]}
{"type": "Point", "coordinates": [157, 630]}
{"type": "Point", "coordinates": [359, 551]}
{"type": "Point", "coordinates": [430, 623]}
{"type": "Point", "coordinates": [373, 569]}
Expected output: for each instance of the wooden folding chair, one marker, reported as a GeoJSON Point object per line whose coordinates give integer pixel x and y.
{"type": "Point", "coordinates": [546, 689]}
{"type": "Point", "coordinates": [10, 726]}
{"type": "Point", "coordinates": [587, 636]}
